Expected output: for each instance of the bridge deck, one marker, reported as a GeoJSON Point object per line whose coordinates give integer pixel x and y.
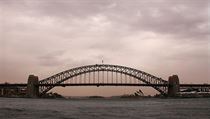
{"type": "Point", "coordinates": [194, 85]}
{"type": "Point", "coordinates": [105, 84]}
{"type": "Point", "coordinates": [102, 84]}
{"type": "Point", "coordinates": [13, 85]}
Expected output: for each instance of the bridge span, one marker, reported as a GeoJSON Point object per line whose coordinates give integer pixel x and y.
{"type": "Point", "coordinates": [104, 75]}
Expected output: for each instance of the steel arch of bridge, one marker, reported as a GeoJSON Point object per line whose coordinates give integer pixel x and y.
{"type": "Point", "coordinates": [47, 84]}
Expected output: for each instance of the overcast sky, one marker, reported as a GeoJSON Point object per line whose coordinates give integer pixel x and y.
{"type": "Point", "coordinates": [161, 37]}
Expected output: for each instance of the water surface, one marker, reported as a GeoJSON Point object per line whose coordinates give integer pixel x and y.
{"type": "Point", "coordinates": [20, 108]}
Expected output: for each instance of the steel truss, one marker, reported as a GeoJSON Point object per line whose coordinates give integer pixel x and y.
{"type": "Point", "coordinates": [157, 83]}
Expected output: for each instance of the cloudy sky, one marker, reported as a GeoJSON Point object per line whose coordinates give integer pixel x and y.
{"type": "Point", "coordinates": [161, 37]}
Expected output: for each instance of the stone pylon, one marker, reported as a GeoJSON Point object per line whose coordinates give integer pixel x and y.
{"type": "Point", "coordinates": [32, 86]}
{"type": "Point", "coordinates": [173, 87]}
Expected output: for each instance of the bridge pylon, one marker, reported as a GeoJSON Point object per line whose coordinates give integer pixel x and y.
{"type": "Point", "coordinates": [32, 86]}
{"type": "Point", "coordinates": [173, 86]}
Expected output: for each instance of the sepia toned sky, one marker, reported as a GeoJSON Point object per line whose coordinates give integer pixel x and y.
{"type": "Point", "coordinates": [161, 37]}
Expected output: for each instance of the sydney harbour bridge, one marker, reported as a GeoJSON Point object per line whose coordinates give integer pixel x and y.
{"type": "Point", "coordinates": [105, 75]}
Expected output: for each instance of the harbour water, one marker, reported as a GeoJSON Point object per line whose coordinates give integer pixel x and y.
{"type": "Point", "coordinates": [22, 108]}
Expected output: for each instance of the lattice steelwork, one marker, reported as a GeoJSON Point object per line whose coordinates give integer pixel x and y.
{"type": "Point", "coordinates": [101, 75]}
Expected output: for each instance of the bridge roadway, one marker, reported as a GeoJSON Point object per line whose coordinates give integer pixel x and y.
{"type": "Point", "coordinates": [3, 85]}
{"type": "Point", "coordinates": [101, 84]}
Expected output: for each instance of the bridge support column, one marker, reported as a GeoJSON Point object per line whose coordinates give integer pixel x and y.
{"type": "Point", "coordinates": [2, 92]}
{"type": "Point", "coordinates": [173, 87]}
{"type": "Point", "coordinates": [32, 88]}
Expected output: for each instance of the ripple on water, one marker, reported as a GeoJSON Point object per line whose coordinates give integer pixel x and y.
{"type": "Point", "coordinates": [104, 109]}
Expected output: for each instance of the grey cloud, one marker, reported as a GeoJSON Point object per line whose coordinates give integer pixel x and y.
{"type": "Point", "coordinates": [186, 19]}
{"type": "Point", "coordinates": [55, 8]}
{"type": "Point", "coordinates": [51, 59]}
{"type": "Point", "coordinates": [178, 25]}
{"type": "Point", "coordinates": [58, 59]}
{"type": "Point", "coordinates": [182, 19]}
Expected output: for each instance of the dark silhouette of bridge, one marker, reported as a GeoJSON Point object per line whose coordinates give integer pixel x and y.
{"type": "Point", "coordinates": [104, 75]}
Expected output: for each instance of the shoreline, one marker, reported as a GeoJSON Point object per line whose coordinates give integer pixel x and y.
{"type": "Point", "coordinates": [107, 98]}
